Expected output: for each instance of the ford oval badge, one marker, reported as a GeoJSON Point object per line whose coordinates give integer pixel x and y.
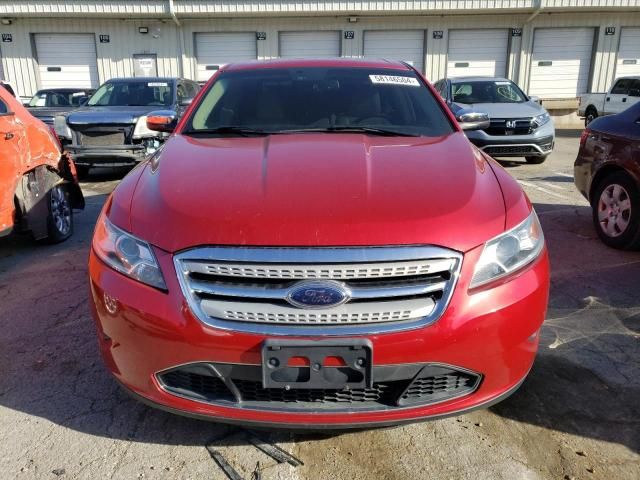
{"type": "Point", "coordinates": [318, 294]}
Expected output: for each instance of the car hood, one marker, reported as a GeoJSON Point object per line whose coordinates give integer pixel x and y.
{"type": "Point", "coordinates": [505, 110]}
{"type": "Point", "coordinates": [315, 190]}
{"type": "Point", "coordinates": [108, 115]}
{"type": "Point", "coordinates": [40, 112]}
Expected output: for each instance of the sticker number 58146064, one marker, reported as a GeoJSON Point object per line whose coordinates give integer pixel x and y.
{"type": "Point", "coordinates": [395, 80]}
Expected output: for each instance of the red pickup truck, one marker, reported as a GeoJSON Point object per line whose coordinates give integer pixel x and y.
{"type": "Point", "coordinates": [318, 245]}
{"type": "Point", "coordinates": [38, 185]}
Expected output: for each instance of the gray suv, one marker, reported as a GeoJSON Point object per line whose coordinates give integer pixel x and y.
{"type": "Point", "coordinates": [519, 125]}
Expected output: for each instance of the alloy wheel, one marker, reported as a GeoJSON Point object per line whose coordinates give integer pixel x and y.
{"type": "Point", "coordinates": [614, 210]}
{"type": "Point", "coordinates": [60, 210]}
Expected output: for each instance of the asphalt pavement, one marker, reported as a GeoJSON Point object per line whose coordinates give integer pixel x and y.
{"type": "Point", "coordinates": [576, 416]}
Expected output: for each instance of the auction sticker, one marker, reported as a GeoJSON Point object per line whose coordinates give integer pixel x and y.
{"type": "Point", "coordinates": [157, 84]}
{"type": "Point", "coordinates": [394, 80]}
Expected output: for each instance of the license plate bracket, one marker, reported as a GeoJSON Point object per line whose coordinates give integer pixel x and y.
{"type": "Point", "coordinates": [319, 368]}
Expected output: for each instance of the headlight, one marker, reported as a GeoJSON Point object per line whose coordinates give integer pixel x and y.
{"type": "Point", "coordinates": [509, 252]}
{"type": "Point", "coordinates": [61, 128]}
{"type": "Point", "coordinates": [141, 129]}
{"type": "Point", "coordinates": [126, 254]}
{"type": "Point", "coordinates": [541, 119]}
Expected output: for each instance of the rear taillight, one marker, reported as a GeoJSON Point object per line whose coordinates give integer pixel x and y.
{"type": "Point", "coordinates": [583, 138]}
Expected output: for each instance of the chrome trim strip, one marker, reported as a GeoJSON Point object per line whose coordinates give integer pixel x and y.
{"type": "Point", "coordinates": [277, 293]}
{"type": "Point", "coordinates": [310, 256]}
{"type": "Point", "coordinates": [329, 255]}
{"type": "Point", "coordinates": [339, 316]}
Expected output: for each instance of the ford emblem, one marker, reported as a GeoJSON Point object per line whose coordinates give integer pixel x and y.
{"type": "Point", "coordinates": [318, 294]}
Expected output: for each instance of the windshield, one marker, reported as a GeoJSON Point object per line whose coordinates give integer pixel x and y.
{"type": "Point", "coordinates": [135, 93]}
{"type": "Point", "coordinates": [58, 99]}
{"type": "Point", "coordinates": [282, 100]}
{"type": "Point", "coordinates": [490, 91]}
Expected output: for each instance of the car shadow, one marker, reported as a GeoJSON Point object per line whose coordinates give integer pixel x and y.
{"type": "Point", "coordinates": [569, 132]}
{"type": "Point", "coordinates": [585, 380]}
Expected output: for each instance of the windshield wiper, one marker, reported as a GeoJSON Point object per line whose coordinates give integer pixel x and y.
{"type": "Point", "coordinates": [354, 129]}
{"type": "Point", "coordinates": [227, 130]}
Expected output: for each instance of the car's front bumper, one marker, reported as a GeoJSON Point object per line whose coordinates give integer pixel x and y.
{"type": "Point", "coordinates": [540, 143]}
{"type": "Point", "coordinates": [492, 332]}
{"type": "Point", "coordinates": [108, 155]}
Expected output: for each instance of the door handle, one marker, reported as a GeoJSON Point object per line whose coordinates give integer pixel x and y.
{"type": "Point", "coordinates": [608, 99]}
{"type": "Point", "coordinates": [624, 100]}
{"type": "Point", "coordinates": [8, 136]}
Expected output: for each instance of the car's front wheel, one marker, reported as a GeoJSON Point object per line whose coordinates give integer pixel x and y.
{"type": "Point", "coordinates": [59, 214]}
{"type": "Point", "coordinates": [536, 160]}
{"type": "Point", "coordinates": [616, 211]}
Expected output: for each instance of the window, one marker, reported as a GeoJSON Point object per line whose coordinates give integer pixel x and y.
{"type": "Point", "coordinates": [133, 93]}
{"type": "Point", "coordinates": [3, 108]}
{"type": "Point", "coordinates": [622, 86]}
{"type": "Point", "coordinates": [487, 91]}
{"type": "Point", "coordinates": [58, 98]}
{"type": "Point", "coordinates": [277, 100]}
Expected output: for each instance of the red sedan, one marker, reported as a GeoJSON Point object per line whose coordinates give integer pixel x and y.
{"type": "Point", "coordinates": [318, 245]}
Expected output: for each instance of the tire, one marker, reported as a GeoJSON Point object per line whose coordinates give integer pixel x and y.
{"type": "Point", "coordinates": [536, 160]}
{"type": "Point", "coordinates": [59, 215]}
{"type": "Point", "coordinates": [615, 206]}
{"type": "Point", "coordinates": [82, 171]}
{"type": "Point", "coordinates": [590, 115]}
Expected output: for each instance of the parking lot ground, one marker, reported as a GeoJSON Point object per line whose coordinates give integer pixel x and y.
{"type": "Point", "coordinates": [576, 416]}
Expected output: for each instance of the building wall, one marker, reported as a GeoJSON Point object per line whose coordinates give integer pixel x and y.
{"type": "Point", "coordinates": [176, 51]}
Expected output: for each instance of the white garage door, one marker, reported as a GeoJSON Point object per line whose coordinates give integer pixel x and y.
{"type": "Point", "coordinates": [629, 53]}
{"type": "Point", "coordinates": [478, 52]}
{"type": "Point", "coordinates": [561, 62]}
{"type": "Point", "coordinates": [213, 50]}
{"type": "Point", "coordinates": [66, 60]}
{"type": "Point", "coordinates": [309, 44]}
{"type": "Point", "coordinates": [404, 45]}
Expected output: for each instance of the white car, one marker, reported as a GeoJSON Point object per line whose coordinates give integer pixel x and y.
{"type": "Point", "coordinates": [624, 93]}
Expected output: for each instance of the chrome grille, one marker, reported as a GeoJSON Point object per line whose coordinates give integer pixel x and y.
{"type": "Point", "coordinates": [247, 289]}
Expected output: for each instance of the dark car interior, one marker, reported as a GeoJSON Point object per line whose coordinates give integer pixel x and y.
{"type": "Point", "coordinates": [282, 100]}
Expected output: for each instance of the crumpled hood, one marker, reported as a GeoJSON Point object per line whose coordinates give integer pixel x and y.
{"type": "Point", "coordinates": [505, 110]}
{"type": "Point", "coordinates": [316, 190]}
{"type": "Point", "coordinates": [107, 115]}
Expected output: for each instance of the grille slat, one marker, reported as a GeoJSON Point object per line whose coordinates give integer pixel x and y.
{"type": "Point", "coordinates": [240, 289]}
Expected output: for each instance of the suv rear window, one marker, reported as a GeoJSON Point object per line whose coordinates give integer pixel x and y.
{"type": "Point", "coordinates": [277, 100]}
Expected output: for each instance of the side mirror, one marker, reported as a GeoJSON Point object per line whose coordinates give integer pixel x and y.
{"type": "Point", "coordinates": [185, 102]}
{"type": "Point", "coordinates": [82, 100]}
{"type": "Point", "coordinates": [535, 99]}
{"type": "Point", "coordinates": [634, 92]}
{"type": "Point", "coordinates": [162, 121]}
{"type": "Point", "coordinates": [469, 120]}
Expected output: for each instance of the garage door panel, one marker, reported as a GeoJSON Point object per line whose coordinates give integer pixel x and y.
{"type": "Point", "coordinates": [310, 44]}
{"type": "Point", "coordinates": [213, 50]}
{"type": "Point", "coordinates": [478, 52]}
{"type": "Point", "coordinates": [66, 60]}
{"type": "Point", "coordinates": [628, 62]}
{"type": "Point", "coordinates": [403, 45]}
{"type": "Point", "coordinates": [561, 62]}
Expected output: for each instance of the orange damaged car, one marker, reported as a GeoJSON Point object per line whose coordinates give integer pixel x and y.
{"type": "Point", "coordinates": [38, 182]}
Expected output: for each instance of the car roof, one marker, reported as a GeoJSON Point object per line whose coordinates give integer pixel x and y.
{"type": "Point", "coordinates": [143, 79]}
{"type": "Point", "coordinates": [317, 62]}
{"type": "Point", "coordinates": [65, 90]}
{"type": "Point", "coordinates": [478, 78]}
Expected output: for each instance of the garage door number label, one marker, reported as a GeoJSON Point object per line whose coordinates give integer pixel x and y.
{"type": "Point", "coordinates": [394, 80]}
